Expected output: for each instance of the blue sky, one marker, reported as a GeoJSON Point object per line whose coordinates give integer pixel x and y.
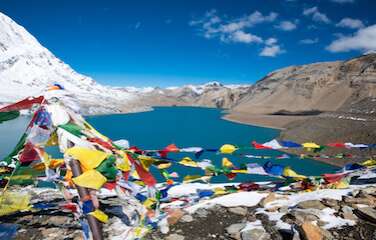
{"type": "Point", "coordinates": [169, 43]}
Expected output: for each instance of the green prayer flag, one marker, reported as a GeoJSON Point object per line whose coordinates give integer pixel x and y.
{"type": "Point", "coordinates": [107, 168]}
{"type": "Point", "coordinates": [6, 116]}
{"type": "Point", "coordinates": [16, 150]}
{"type": "Point", "coordinates": [72, 128]}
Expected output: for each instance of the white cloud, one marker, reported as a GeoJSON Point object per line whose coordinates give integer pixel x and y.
{"type": "Point", "coordinates": [271, 51]}
{"type": "Point", "coordinates": [309, 41]}
{"type": "Point", "coordinates": [343, 1]}
{"type": "Point", "coordinates": [271, 41]}
{"type": "Point", "coordinates": [231, 30]}
{"type": "Point", "coordinates": [350, 23]}
{"type": "Point", "coordinates": [257, 17]}
{"type": "Point", "coordinates": [286, 26]}
{"type": "Point", "coordinates": [317, 16]}
{"type": "Point", "coordinates": [240, 36]}
{"type": "Point", "coordinates": [363, 40]}
{"type": "Point", "coordinates": [271, 48]}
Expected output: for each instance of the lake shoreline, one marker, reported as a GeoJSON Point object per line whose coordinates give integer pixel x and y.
{"type": "Point", "coordinates": [278, 122]}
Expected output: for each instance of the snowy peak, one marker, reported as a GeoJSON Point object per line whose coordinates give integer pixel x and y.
{"type": "Point", "coordinates": [27, 68]}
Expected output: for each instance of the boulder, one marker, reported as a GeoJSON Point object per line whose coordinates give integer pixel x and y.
{"type": "Point", "coordinates": [255, 234]}
{"type": "Point", "coordinates": [238, 210]}
{"type": "Point", "coordinates": [332, 203]}
{"type": "Point", "coordinates": [234, 230]}
{"type": "Point", "coordinates": [311, 204]}
{"type": "Point", "coordinates": [347, 213]}
{"type": "Point", "coordinates": [366, 213]}
{"type": "Point", "coordinates": [309, 231]}
{"type": "Point", "coordinates": [302, 216]}
{"type": "Point", "coordinates": [269, 198]}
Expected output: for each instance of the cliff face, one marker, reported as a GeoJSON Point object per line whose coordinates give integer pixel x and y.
{"type": "Point", "coordinates": [328, 86]}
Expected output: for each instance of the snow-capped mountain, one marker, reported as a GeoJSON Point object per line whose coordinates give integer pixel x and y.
{"type": "Point", "coordinates": [27, 69]}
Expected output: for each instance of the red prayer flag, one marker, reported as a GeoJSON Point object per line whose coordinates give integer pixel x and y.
{"type": "Point", "coordinates": [259, 146]}
{"type": "Point", "coordinates": [336, 144]}
{"type": "Point", "coordinates": [23, 104]}
{"type": "Point", "coordinates": [28, 154]}
{"type": "Point", "coordinates": [335, 177]}
{"type": "Point", "coordinates": [104, 144]}
{"type": "Point", "coordinates": [145, 176]}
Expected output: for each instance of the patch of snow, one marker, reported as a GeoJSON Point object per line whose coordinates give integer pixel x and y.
{"type": "Point", "coordinates": [294, 199]}
{"type": "Point", "coordinates": [275, 216]}
{"type": "Point", "coordinates": [246, 199]}
{"type": "Point", "coordinates": [327, 215]}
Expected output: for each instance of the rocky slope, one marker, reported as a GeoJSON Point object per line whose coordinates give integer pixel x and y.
{"type": "Point", "coordinates": [348, 86]}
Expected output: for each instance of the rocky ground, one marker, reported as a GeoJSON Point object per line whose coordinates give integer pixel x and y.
{"type": "Point", "coordinates": [247, 223]}
{"type": "Point", "coordinates": [335, 214]}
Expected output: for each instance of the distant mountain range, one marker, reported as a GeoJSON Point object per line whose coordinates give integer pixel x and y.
{"type": "Point", "coordinates": [27, 68]}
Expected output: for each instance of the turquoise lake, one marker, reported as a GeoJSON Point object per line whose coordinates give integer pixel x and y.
{"type": "Point", "coordinates": [185, 127]}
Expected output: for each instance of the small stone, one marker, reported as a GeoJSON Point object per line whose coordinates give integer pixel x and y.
{"type": "Point", "coordinates": [255, 234]}
{"type": "Point", "coordinates": [238, 210]}
{"type": "Point", "coordinates": [311, 204]}
{"type": "Point", "coordinates": [174, 236]}
{"type": "Point", "coordinates": [186, 218]}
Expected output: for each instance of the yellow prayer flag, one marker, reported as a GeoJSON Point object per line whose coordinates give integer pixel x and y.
{"type": "Point", "coordinates": [369, 163]}
{"type": "Point", "coordinates": [101, 216]}
{"type": "Point", "coordinates": [219, 191]}
{"type": "Point", "coordinates": [149, 202]}
{"type": "Point", "coordinates": [227, 163]}
{"type": "Point", "coordinates": [88, 158]}
{"type": "Point", "coordinates": [90, 179]}
{"type": "Point", "coordinates": [11, 202]}
{"type": "Point", "coordinates": [310, 145]}
{"type": "Point", "coordinates": [188, 162]}
{"type": "Point", "coordinates": [227, 149]}
{"type": "Point", "coordinates": [164, 165]}
{"type": "Point", "coordinates": [288, 172]}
